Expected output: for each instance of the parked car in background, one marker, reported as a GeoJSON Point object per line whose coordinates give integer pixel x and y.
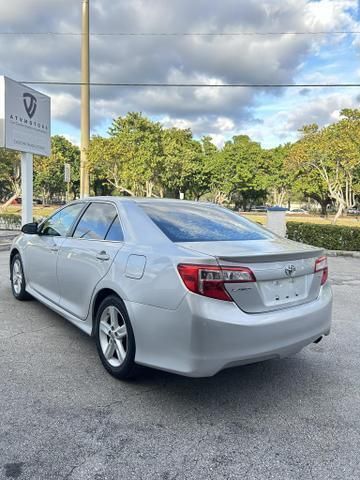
{"type": "Point", "coordinates": [259, 208]}
{"type": "Point", "coordinates": [186, 287]}
{"type": "Point", "coordinates": [298, 211]}
{"type": "Point", "coordinates": [18, 201]}
{"type": "Point", "coordinates": [354, 211]}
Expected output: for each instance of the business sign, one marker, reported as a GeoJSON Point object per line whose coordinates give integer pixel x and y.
{"type": "Point", "coordinates": [67, 173]}
{"type": "Point", "coordinates": [24, 118]}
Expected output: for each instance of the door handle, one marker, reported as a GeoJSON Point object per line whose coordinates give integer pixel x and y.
{"type": "Point", "coordinates": [54, 248]}
{"type": "Point", "coordinates": [102, 256]}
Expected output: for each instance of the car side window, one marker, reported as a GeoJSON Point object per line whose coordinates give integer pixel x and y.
{"type": "Point", "coordinates": [59, 224]}
{"type": "Point", "coordinates": [115, 233]}
{"type": "Point", "coordinates": [96, 221]}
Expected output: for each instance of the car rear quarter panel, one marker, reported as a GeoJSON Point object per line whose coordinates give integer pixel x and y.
{"type": "Point", "coordinates": [160, 285]}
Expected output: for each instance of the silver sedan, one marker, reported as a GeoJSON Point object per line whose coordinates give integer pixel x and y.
{"type": "Point", "coordinates": [187, 287]}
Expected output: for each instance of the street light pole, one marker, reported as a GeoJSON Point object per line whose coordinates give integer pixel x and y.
{"type": "Point", "coordinates": [85, 100]}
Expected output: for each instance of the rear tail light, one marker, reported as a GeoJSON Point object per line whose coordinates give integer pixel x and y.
{"type": "Point", "coordinates": [321, 265]}
{"type": "Point", "coordinates": [210, 281]}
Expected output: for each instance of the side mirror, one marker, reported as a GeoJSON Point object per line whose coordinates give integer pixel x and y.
{"type": "Point", "coordinates": [30, 228]}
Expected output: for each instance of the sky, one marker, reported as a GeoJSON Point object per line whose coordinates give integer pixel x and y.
{"type": "Point", "coordinates": [270, 116]}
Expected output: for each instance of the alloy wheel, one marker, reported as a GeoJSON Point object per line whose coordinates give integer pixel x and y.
{"type": "Point", "coordinates": [17, 276]}
{"type": "Point", "coordinates": [113, 336]}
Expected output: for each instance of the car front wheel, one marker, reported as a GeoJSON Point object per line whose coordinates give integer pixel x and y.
{"type": "Point", "coordinates": [115, 340]}
{"type": "Point", "coordinates": [18, 284]}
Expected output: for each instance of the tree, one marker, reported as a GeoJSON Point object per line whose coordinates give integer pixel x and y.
{"type": "Point", "coordinates": [309, 183]}
{"type": "Point", "coordinates": [106, 164]}
{"type": "Point", "coordinates": [237, 172]}
{"type": "Point", "coordinates": [9, 175]}
{"type": "Point", "coordinates": [49, 171]}
{"type": "Point", "coordinates": [201, 177]}
{"type": "Point", "coordinates": [276, 177]}
{"type": "Point", "coordinates": [142, 158]}
{"type": "Point", "coordinates": [184, 164]}
{"type": "Point", "coordinates": [140, 142]}
{"type": "Point", "coordinates": [334, 154]}
{"type": "Point", "coordinates": [132, 158]}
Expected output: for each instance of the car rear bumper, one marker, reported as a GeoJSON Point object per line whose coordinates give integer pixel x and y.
{"type": "Point", "coordinates": [204, 336]}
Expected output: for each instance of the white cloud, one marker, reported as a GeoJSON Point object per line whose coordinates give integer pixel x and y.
{"type": "Point", "coordinates": [183, 59]}
{"type": "Point", "coordinates": [321, 110]}
{"type": "Point", "coordinates": [64, 106]}
{"type": "Point", "coordinates": [283, 125]}
{"type": "Point", "coordinates": [224, 124]}
{"type": "Point", "coordinates": [72, 138]}
{"type": "Point", "coordinates": [218, 139]}
{"type": "Point", "coordinates": [327, 15]}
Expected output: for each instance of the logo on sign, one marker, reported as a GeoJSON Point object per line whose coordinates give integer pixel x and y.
{"type": "Point", "coordinates": [30, 104]}
{"type": "Point", "coordinates": [290, 270]}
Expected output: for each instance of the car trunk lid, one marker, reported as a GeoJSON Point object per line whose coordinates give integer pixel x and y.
{"type": "Point", "coordinates": [284, 271]}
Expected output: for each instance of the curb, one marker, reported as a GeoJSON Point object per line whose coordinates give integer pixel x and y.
{"type": "Point", "coordinates": [342, 253]}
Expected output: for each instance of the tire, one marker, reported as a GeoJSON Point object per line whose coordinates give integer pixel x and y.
{"type": "Point", "coordinates": [17, 279]}
{"type": "Point", "coordinates": [115, 339]}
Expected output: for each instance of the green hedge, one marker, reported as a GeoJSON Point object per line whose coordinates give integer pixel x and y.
{"type": "Point", "coordinates": [10, 221]}
{"type": "Point", "coordinates": [331, 237]}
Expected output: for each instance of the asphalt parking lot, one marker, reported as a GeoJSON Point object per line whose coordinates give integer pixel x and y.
{"type": "Point", "coordinates": [63, 417]}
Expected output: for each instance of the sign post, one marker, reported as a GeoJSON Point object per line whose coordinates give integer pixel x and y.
{"type": "Point", "coordinates": [67, 179]}
{"type": "Point", "coordinates": [26, 187]}
{"type": "Point", "coordinates": [25, 127]}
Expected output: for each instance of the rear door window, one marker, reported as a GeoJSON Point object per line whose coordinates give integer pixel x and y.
{"type": "Point", "coordinates": [202, 223]}
{"type": "Point", "coordinates": [96, 221]}
{"type": "Point", "coordinates": [115, 233]}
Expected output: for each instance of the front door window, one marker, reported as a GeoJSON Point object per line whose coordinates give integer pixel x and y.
{"type": "Point", "coordinates": [59, 224]}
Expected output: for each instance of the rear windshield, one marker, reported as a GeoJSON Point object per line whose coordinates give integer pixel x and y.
{"type": "Point", "coordinates": [202, 223]}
